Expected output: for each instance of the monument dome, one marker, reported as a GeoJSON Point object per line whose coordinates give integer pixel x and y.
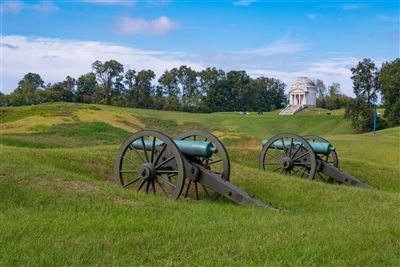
{"type": "Point", "coordinates": [303, 93]}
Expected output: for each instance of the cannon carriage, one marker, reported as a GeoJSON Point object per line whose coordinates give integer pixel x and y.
{"type": "Point", "coordinates": [195, 165]}
{"type": "Point", "coordinates": [309, 156]}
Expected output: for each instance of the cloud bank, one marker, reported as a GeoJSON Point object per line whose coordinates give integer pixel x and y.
{"type": "Point", "coordinates": [54, 59]}
{"type": "Point", "coordinates": [159, 26]}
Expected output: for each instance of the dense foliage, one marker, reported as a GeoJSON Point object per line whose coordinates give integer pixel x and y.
{"type": "Point", "coordinates": [368, 81]}
{"type": "Point", "coordinates": [330, 97]}
{"type": "Point", "coordinates": [180, 88]}
{"type": "Point", "coordinates": [389, 78]}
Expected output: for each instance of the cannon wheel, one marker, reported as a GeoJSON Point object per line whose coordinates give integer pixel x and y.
{"type": "Point", "coordinates": [296, 159]}
{"type": "Point", "coordinates": [331, 158]}
{"type": "Point", "coordinates": [220, 164]}
{"type": "Point", "coordinates": [159, 170]}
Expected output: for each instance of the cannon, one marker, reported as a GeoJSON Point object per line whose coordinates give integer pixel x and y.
{"type": "Point", "coordinates": [195, 165]}
{"type": "Point", "coordinates": [309, 156]}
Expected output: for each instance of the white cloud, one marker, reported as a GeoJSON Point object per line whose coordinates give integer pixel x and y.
{"type": "Point", "coordinates": [244, 2]}
{"type": "Point", "coordinates": [45, 6]}
{"type": "Point", "coordinates": [159, 26]}
{"type": "Point", "coordinates": [111, 2]}
{"type": "Point", "coordinates": [388, 18]}
{"type": "Point", "coordinates": [158, 2]}
{"type": "Point", "coordinates": [354, 6]}
{"type": "Point", "coordinates": [282, 46]}
{"type": "Point", "coordinates": [12, 7]}
{"type": "Point", "coordinates": [54, 59]}
{"type": "Point", "coordinates": [314, 16]}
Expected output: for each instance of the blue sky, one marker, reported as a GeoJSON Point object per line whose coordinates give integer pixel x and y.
{"type": "Point", "coordinates": [281, 39]}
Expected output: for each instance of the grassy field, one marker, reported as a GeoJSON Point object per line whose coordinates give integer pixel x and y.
{"type": "Point", "coordinates": [60, 206]}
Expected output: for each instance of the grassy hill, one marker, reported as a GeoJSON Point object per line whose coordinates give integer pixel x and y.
{"type": "Point", "coordinates": [60, 206]}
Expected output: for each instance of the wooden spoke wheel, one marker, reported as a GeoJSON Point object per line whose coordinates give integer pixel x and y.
{"type": "Point", "coordinates": [331, 158]}
{"type": "Point", "coordinates": [150, 161]}
{"type": "Point", "coordinates": [288, 154]}
{"type": "Point", "coordinates": [219, 163]}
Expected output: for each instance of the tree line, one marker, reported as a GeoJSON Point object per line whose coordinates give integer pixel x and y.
{"type": "Point", "coordinates": [213, 90]}
{"type": "Point", "coordinates": [179, 89]}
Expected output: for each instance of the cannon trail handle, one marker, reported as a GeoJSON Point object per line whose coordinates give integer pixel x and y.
{"type": "Point", "coordinates": [227, 189]}
{"type": "Point", "coordinates": [341, 176]}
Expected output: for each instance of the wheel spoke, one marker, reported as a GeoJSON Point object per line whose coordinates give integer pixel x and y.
{"type": "Point", "coordinates": [297, 150]}
{"type": "Point", "coordinates": [162, 189]}
{"type": "Point", "coordinates": [302, 155]}
{"type": "Point", "coordinates": [166, 181]}
{"type": "Point", "coordinates": [291, 145]}
{"type": "Point", "coordinates": [272, 155]}
{"type": "Point", "coordinates": [215, 161]}
{"type": "Point", "coordinates": [141, 185]}
{"type": "Point", "coordinates": [165, 162]}
{"type": "Point", "coordinates": [137, 153]}
{"type": "Point", "coordinates": [284, 147]}
{"type": "Point", "coordinates": [153, 146]}
{"type": "Point", "coordinates": [131, 182]}
{"type": "Point", "coordinates": [280, 167]}
{"type": "Point", "coordinates": [187, 188]}
{"type": "Point", "coordinates": [154, 187]}
{"type": "Point", "coordinates": [167, 172]}
{"type": "Point", "coordinates": [301, 163]}
{"type": "Point", "coordinates": [128, 159]}
{"type": "Point", "coordinates": [159, 155]}
{"type": "Point", "coordinates": [144, 149]}
{"type": "Point", "coordinates": [282, 171]}
{"type": "Point", "coordinates": [128, 171]}
{"type": "Point", "coordinates": [147, 186]}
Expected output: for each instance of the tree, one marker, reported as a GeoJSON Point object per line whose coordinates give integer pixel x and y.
{"type": "Point", "coordinates": [108, 75]}
{"type": "Point", "coordinates": [27, 92]}
{"type": "Point", "coordinates": [239, 96]}
{"type": "Point", "coordinates": [187, 79]}
{"type": "Point", "coordinates": [321, 89]}
{"type": "Point", "coordinates": [144, 88]}
{"type": "Point", "coordinates": [208, 77]}
{"type": "Point", "coordinates": [269, 94]}
{"type": "Point", "coordinates": [61, 91]}
{"type": "Point", "coordinates": [365, 81]}
{"type": "Point", "coordinates": [334, 89]}
{"type": "Point", "coordinates": [86, 88]}
{"type": "Point", "coordinates": [389, 78]}
{"type": "Point", "coordinates": [170, 85]}
{"type": "Point", "coordinates": [361, 115]}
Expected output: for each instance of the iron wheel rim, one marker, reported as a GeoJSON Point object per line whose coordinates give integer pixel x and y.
{"type": "Point", "coordinates": [166, 182]}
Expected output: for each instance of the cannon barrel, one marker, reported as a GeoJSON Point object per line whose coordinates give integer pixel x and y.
{"type": "Point", "coordinates": [318, 147]}
{"type": "Point", "coordinates": [187, 147]}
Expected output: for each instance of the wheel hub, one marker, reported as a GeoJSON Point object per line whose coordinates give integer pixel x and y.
{"type": "Point", "coordinates": [287, 163]}
{"type": "Point", "coordinates": [147, 171]}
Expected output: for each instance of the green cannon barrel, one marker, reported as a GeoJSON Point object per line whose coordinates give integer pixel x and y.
{"type": "Point", "coordinates": [187, 147]}
{"type": "Point", "coordinates": [318, 147]}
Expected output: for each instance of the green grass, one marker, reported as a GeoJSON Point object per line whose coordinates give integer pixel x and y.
{"type": "Point", "coordinates": [61, 206]}
{"type": "Point", "coordinates": [68, 135]}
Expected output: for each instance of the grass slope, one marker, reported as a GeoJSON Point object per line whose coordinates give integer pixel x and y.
{"type": "Point", "coordinates": [60, 206]}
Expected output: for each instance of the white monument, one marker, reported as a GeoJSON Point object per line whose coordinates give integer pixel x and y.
{"type": "Point", "coordinates": [303, 93]}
